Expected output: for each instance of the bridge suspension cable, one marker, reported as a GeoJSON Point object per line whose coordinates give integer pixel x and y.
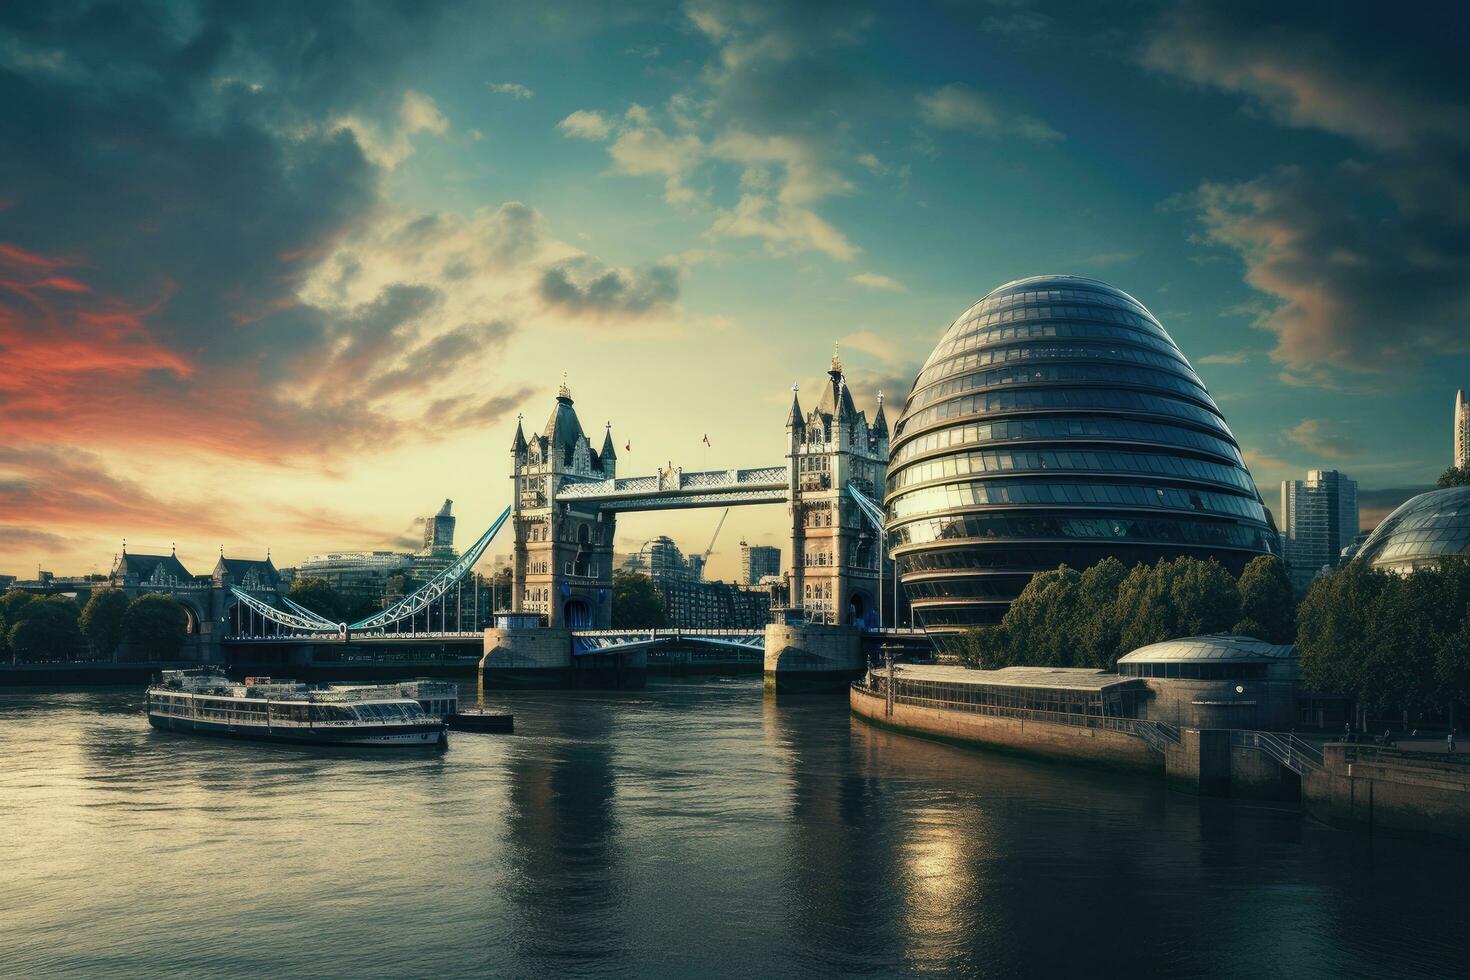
{"type": "Point", "coordinates": [282, 618]}
{"type": "Point", "coordinates": [411, 605]}
{"type": "Point", "coordinates": [307, 613]}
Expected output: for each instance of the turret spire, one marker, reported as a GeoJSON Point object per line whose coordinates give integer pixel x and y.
{"type": "Point", "coordinates": [518, 445]}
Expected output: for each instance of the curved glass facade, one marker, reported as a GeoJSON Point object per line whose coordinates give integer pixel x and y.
{"type": "Point", "coordinates": [1057, 422]}
{"type": "Point", "coordinates": [1421, 531]}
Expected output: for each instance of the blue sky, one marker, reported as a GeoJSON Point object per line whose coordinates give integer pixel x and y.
{"type": "Point", "coordinates": [284, 275]}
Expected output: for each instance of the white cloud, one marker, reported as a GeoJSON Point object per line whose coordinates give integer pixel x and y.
{"type": "Point", "coordinates": [872, 343]}
{"type": "Point", "coordinates": [644, 150]}
{"type": "Point", "coordinates": [585, 125]}
{"type": "Point", "coordinates": [388, 147]}
{"type": "Point", "coordinates": [1225, 357]}
{"type": "Point", "coordinates": [874, 280]}
{"type": "Point", "coordinates": [513, 89]}
{"type": "Point", "coordinates": [962, 108]}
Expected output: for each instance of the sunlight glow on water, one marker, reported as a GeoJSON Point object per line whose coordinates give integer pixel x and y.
{"type": "Point", "coordinates": [690, 829]}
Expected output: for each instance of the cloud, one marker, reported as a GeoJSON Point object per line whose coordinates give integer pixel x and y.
{"type": "Point", "coordinates": [740, 110]}
{"type": "Point", "coordinates": [389, 146]}
{"type": "Point", "coordinates": [1225, 357]}
{"type": "Point", "coordinates": [1390, 85]}
{"type": "Point", "coordinates": [874, 280]}
{"type": "Point", "coordinates": [645, 150]}
{"type": "Point", "coordinates": [585, 287]}
{"type": "Point", "coordinates": [513, 89]}
{"type": "Point", "coordinates": [586, 125]}
{"type": "Point", "coordinates": [959, 107]}
{"type": "Point", "coordinates": [1367, 262]}
{"type": "Point", "coordinates": [1315, 437]}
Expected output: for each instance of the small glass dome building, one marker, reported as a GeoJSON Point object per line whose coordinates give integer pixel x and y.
{"type": "Point", "coordinates": [1421, 531]}
{"type": "Point", "coordinates": [1058, 422]}
{"type": "Point", "coordinates": [1218, 681]}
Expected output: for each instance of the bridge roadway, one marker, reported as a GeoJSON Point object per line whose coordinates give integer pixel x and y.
{"type": "Point", "coordinates": [583, 641]}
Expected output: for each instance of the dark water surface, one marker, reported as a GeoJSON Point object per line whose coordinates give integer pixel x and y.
{"type": "Point", "coordinates": [693, 829]}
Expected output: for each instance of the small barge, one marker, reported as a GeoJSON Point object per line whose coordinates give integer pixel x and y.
{"type": "Point", "coordinates": [203, 701]}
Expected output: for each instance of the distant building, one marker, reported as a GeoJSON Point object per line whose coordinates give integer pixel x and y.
{"type": "Point", "coordinates": [439, 531]}
{"type": "Point", "coordinates": [691, 602]}
{"type": "Point", "coordinates": [1319, 519]}
{"type": "Point", "coordinates": [374, 575]}
{"type": "Point", "coordinates": [360, 574]}
{"type": "Point", "coordinates": [758, 561]}
{"type": "Point", "coordinates": [1462, 430]}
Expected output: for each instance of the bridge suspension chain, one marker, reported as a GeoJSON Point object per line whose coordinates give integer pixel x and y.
{"type": "Point", "coordinates": [415, 603]}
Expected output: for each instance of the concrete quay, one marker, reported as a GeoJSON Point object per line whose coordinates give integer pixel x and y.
{"type": "Point", "coordinates": [1415, 794]}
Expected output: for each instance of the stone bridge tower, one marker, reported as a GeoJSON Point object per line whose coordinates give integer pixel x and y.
{"type": "Point", "coordinates": [562, 565]}
{"type": "Point", "coordinates": [835, 554]}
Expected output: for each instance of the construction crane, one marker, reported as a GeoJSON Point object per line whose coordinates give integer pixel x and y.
{"type": "Point", "coordinates": [704, 560]}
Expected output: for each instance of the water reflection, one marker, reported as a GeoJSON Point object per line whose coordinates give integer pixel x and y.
{"type": "Point", "coordinates": [690, 829]}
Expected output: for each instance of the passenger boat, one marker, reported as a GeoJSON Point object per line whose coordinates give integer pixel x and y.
{"type": "Point", "coordinates": [204, 701]}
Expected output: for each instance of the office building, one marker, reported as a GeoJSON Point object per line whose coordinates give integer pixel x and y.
{"type": "Point", "coordinates": [758, 561]}
{"type": "Point", "coordinates": [1319, 518]}
{"type": "Point", "coordinates": [1058, 422]}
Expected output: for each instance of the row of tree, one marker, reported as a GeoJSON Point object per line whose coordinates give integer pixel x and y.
{"type": "Point", "coordinates": [1067, 618]}
{"type": "Point", "coordinates": [50, 628]}
{"type": "Point", "coordinates": [1390, 642]}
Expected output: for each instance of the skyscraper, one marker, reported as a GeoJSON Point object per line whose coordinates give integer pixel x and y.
{"type": "Point", "coordinates": [439, 531]}
{"type": "Point", "coordinates": [1462, 430]}
{"type": "Point", "coordinates": [758, 561]}
{"type": "Point", "coordinates": [1319, 517]}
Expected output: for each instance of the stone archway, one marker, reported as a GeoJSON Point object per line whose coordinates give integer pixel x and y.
{"type": "Point", "coordinates": [576, 614]}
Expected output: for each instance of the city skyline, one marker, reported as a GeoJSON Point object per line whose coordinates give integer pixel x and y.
{"type": "Point", "coordinates": [280, 279]}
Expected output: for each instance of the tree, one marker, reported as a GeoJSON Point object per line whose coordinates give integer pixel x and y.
{"type": "Point", "coordinates": [10, 605]}
{"type": "Point", "coordinates": [1455, 476]}
{"type": "Point", "coordinates": [102, 620]}
{"type": "Point", "coordinates": [45, 629]}
{"type": "Point", "coordinates": [1185, 597]}
{"type": "Point", "coordinates": [636, 604]}
{"type": "Point", "coordinates": [1267, 603]}
{"type": "Point", "coordinates": [154, 625]}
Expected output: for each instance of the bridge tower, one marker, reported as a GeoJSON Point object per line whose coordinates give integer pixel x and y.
{"type": "Point", "coordinates": [562, 565]}
{"type": "Point", "coordinates": [836, 560]}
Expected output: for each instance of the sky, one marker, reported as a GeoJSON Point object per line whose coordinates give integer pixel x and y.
{"type": "Point", "coordinates": [282, 276]}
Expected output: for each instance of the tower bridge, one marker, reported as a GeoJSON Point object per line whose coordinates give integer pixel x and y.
{"type": "Point", "coordinates": [565, 499]}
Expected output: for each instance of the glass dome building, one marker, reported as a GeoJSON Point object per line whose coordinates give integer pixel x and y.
{"type": "Point", "coordinates": [1421, 531]}
{"type": "Point", "coordinates": [1057, 422]}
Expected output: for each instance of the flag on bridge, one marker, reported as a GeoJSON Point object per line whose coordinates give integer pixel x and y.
{"type": "Point", "coordinates": [629, 446]}
{"type": "Point", "coordinates": [706, 438]}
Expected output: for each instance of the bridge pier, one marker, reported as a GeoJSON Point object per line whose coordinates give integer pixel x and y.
{"type": "Point", "coordinates": [809, 658]}
{"type": "Point", "coordinates": [542, 657]}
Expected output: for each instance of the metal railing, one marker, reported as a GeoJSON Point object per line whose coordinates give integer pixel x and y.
{"type": "Point", "coordinates": [1074, 719]}
{"type": "Point", "coordinates": [1293, 753]}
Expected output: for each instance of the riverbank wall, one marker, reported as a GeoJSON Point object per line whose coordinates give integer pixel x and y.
{"type": "Point", "coordinates": [1376, 788]}
{"type": "Point", "coordinates": [1021, 735]}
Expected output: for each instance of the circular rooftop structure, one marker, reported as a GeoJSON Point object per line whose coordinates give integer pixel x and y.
{"type": "Point", "coordinates": [1421, 531]}
{"type": "Point", "coordinates": [1215, 648]}
{"type": "Point", "coordinates": [1058, 422]}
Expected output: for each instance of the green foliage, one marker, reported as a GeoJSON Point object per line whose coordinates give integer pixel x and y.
{"type": "Point", "coordinates": [10, 605]}
{"type": "Point", "coordinates": [154, 626]}
{"type": "Point", "coordinates": [1455, 476]}
{"type": "Point", "coordinates": [1185, 597]}
{"type": "Point", "coordinates": [102, 620]}
{"type": "Point", "coordinates": [1267, 604]}
{"type": "Point", "coordinates": [44, 629]}
{"type": "Point", "coordinates": [636, 604]}
{"type": "Point", "coordinates": [1389, 641]}
{"type": "Point", "coordinates": [318, 596]}
{"type": "Point", "coordinates": [1064, 618]}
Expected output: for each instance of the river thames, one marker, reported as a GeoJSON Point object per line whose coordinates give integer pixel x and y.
{"type": "Point", "coordinates": [691, 829]}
